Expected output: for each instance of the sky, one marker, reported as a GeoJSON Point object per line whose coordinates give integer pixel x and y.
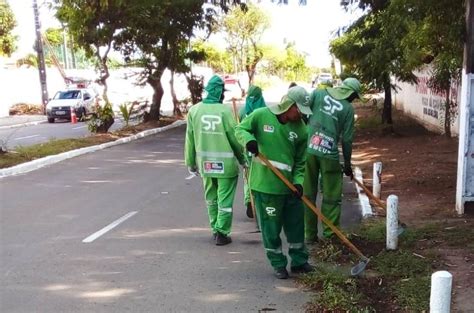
{"type": "Point", "coordinates": [310, 26]}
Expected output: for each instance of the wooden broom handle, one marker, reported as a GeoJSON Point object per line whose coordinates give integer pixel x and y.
{"type": "Point", "coordinates": [313, 207]}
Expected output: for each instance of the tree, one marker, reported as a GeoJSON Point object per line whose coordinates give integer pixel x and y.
{"type": "Point", "coordinates": [371, 48]}
{"type": "Point", "coordinates": [153, 32]}
{"type": "Point", "coordinates": [219, 60]}
{"type": "Point", "coordinates": [244, 27]}
{"type": "Point", "coordinates": [7, 24]}
{"type": "Point", "coordinates": [94, 25]}
{"type": "Point", "coordinates": [436, 36]}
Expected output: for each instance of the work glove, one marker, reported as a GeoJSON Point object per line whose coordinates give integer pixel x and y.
{"type": "Point", "coordinates": [193, 170]}
{"type": "Point", "coordinates": [252, 147]}
{"type": "Point", "coordinates": [348, 171]}
{"type": "Point", "coordinates": [298, 193]}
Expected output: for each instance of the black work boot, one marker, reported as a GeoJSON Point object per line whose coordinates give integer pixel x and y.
{"type": "Point", "coordinates": [281, 273]}
{"type": "Point", "coordinates": [222, 240]}
{"type": "Point", "coordinates": [301, 269]}
{"type": "Point", "coordinates": [249, 210]}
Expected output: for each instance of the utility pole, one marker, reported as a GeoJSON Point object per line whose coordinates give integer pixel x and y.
{"type": "Point", "coordinates": [465, 177]}
{"type": "Point", "coordinates": [40, 52]}
{"type": "Point", "coordinates": [65, 54]}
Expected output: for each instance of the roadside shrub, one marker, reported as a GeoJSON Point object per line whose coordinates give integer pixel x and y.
{"type": "Point", "coordinates": [126, 110]}
{"type": "Point", "coordinates": [102, 119]}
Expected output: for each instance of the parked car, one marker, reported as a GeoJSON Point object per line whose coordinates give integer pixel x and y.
{"type": "Point", "coordinates": [322, 78]}
{"type": "Point", "coordinates": [81, 100]}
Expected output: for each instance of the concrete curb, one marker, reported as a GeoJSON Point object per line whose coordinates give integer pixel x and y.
{"type": "Point", "coordinates": [22, 125]}
{"type": "Point", "coordinates": [366, 208]}
{"type": "Point", "coordinates": [39, 163]}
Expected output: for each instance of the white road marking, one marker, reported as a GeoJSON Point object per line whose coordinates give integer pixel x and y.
{"type": "Point", "coordinates": [191, 176]}
{"type": "Point", "coordinates": [111, 226]}
{"type": "Point", "coordinates": [26, 137]}
{"type": "Point", "coordinates": [79, 127]}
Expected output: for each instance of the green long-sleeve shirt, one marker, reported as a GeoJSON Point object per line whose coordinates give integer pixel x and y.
{"type": "Point", "coordinates": [210, 141]}
{"type": "Point", "coordinates": [283, 144]}
{"type": "Point", "coordinates": [331, 120]}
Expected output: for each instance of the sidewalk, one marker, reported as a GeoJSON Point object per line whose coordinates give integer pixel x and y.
{"type": "Point", "coordinates": [21, 120]}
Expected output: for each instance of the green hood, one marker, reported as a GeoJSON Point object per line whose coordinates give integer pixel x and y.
{"type": "Point", "coordinates": [214, 88]}
{"type": "Point", "coordinates": [254, 100]}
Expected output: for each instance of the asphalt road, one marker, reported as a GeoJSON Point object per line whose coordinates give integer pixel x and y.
{"type": "Point", "coordinates": [34, 134]}
{"type": "Point", "coordinates": [160, 258]}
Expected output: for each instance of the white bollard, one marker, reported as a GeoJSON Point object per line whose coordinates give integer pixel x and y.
{"type": "Point", "coordinates": [440, 297]}
{"type": "Point", "coordinates": [377, 179]}
{"type": "Point", "coordinates": [392, 222]}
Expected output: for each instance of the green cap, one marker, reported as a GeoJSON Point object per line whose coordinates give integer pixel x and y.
{"type": "Point", "coordinates": [296, 94]}
{"type": "Point", "coordinates": [349, 86]}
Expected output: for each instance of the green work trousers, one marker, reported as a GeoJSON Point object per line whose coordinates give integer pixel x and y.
{"type": "Point", "coordinates": [219, 194]}
{"type": "Point", "coordinates": [275, 212]}
{"type": "Point", "coordinates": [331, 181]}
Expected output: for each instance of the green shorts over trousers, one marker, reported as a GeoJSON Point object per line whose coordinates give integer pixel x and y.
{"type": "Point", "coordinates": [274, 213]}
{"type": "Point", "coordinates": [219, 194]}
{"type": "Point", "coordinates": [331, 180]}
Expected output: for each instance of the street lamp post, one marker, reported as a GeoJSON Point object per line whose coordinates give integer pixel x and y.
{"type": "Point", "coordinates": [40, 52]}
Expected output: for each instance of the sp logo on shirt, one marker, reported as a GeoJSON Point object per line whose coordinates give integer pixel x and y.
{"type": "Point", "coordinates": [331, 105]}
{"type": "Point", "coordinates": [210, 121]}
{"type": "Point", "coordinates": [270, 211]}
{"type": "Point", "coordinates": [292, 136]}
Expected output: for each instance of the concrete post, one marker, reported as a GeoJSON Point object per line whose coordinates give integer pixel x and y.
{"type": "Point", "coordinates": [377, 179]}
{"type": "Point", "coordinates": [440, 297]}
{"type": "Point", "coordinates": [392, 222]}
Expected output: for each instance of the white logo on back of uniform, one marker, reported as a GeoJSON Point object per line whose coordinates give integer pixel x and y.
{"type": "Point", "coordinates": [332, 105]}
{"type": "Point", "coordinates": [210, 121]}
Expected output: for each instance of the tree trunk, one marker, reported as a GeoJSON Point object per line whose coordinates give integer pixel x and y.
{"type": "Point", "coordinates": [104, 73]}
{"type": "Point", "coordinates": [387, 103]}
{"type": "Point", "coordinates": [155, 82]}
{"type": "Point", "coordinates": [447, 113]}
{"type": "Point", "coordinates": [195, 87]}
{"type": "Point", "coordinates": [176, 109]}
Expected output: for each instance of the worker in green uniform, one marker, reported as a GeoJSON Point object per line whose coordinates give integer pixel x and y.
{"type": "Point", "coordinates": [332, 120]}
{"type": "Point", "coordinates": [212, 151]}
{"type": "Point", "coordinates": [279, 134]}
{"type": "Point", "coordinates": [253, 101]}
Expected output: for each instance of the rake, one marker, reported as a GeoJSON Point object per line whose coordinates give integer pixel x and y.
{"type": "Point", "coordinates": [355, 270]}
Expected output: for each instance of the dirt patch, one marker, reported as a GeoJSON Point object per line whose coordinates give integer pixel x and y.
{"type": "Point", "coordinates": [420, 167]}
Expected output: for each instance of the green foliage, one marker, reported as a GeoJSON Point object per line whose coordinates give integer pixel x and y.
{"type": "Point", "coordinates": [94, 25]}
{"type": "Point", "coordinates": [402, 264]}
{"type": "Point", "coordinates": [219, 60]}
{"type": "Point", "coordinates": [7, 24]}
{"type": "Point", "coordinates": [101, 119]}
{"type": "Point", "coordinates": [244, 27]}
{"type": "Point", "coordinates": [288, 64]}
{"type": "Point", "coordinates": [126, 109]}
{"type": "Point", "coordinates": [30, 60]}
{"type": "Point", "coordinates": [54, 36]}
{"type": "Point", "coordinates": [414, 293]}
{"type": "Point", "coordinates": [398, 36]}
